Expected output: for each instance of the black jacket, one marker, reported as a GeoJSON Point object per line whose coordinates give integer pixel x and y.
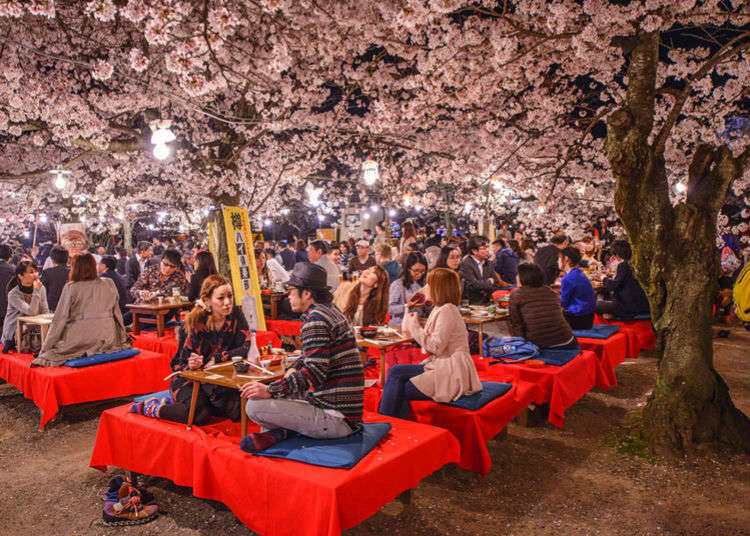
{"type": "Point", "coordinates": [196, 280]}
{"type": "Point", "coordinates": [288, 259]}
{"type": "Point", "coordinates": [122, 266]}
{"type": "Point", "coordinates": [478, 288]}
{"type": "Point", "coordinates": [54, 280]}
{"type": "Point", "coordinates": [547, 259]}
{"type": "Point", "coordinates": [132, 271]}
{"type": "Point", "coordinates": [6, 273]}
{"type": "Point", "coordinates": [122, 291]}
{"type": "Point", "coordinates": [627, 292]}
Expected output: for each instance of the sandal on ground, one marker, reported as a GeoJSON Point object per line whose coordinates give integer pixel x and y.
{"type": "Point", "coordinates": [123, 506]}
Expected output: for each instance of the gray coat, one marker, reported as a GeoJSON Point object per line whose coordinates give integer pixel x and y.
{"type": "Point", "coordinates": [18, 306]}
{"type": "Point", "coordinates": [87, 321]}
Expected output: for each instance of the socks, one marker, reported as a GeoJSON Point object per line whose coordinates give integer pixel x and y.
{"type": "Point", "coordinates": [149, 407]}
{"type": "Point", "coordinates": [262, 440]}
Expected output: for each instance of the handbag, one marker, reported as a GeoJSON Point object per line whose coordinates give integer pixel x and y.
{"type": "Point", "coordinates": [510, 349]}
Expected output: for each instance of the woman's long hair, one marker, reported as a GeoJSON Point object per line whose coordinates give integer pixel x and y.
{"type": "Point", "coordinates": [206, 263]}
{"type": "Point", "coordinates": [411, 260]}
{"type": "Point", "coordinates": [82, 268]}
{"type": "Point", "coordinates": [21, 268]}
{"type": "Point", "coordinates": [200, 316]}
{"type": "Point", "coordinates": [376, 306]}
{"type": "Point", "coordinates": [408, 230]}
{"type": "Point", "coordinates": [442, 261]}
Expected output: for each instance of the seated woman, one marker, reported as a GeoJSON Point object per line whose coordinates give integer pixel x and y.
{"type": "Point", "coordinates": [536, 313]}
{"type": "Point", "coordinates": [265, 281]}
{"type": "Point", "coordinates": [402, 289]}
{"type": "Point", "coordinates": [628, 298]}
{"type": "Point", "coordinates": [87, 320]}
{"type": "Point", "coordinates": [367, 301]}
{"type": "Point", "coordinates": [214, 332]}
{"type": "Point", "coordinates": [26, 297]}
{"type": "Point", "coordinates": [449, 372]}
{"type": "Point", "coordinates": [450, 257]}
{"type": "Point", "coordinates": [204, 265]}
{"type": "Point", "coordinates": [576, 293]}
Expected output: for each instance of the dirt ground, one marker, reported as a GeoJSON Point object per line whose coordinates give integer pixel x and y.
{"type": "Point", "coordinates": [544, 481]}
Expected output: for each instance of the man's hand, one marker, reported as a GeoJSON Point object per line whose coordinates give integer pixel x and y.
{"type": "Point", "coordinates": [145, 295]}
{"type": "Point", "coordinates": [254, 390]}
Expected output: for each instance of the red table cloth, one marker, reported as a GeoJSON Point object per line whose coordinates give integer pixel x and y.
{"type": "Point", "coordinates": [642, 328]}
{"type": "Point", "coordinates": [168, 343]}
{"type": "Point", "coordinates": [610, 351]}
{"type": "Point", "coordinates": [52, 387]}
{"type": "Point", "coordinates": [272, 496]}
{"type": "Point", "coordinates": [289, 328]}
{"type": "Point", "coordinates": [561, 387]}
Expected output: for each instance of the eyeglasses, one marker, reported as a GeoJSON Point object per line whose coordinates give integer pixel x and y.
{"type": "Point", "coordinates": [169, 264]}
{"type": "Point", "coordinates": [417, 270]}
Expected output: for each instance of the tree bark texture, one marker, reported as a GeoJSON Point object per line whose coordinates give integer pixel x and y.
{"type": "Point", "coordinates": [222, 247]}
{"type": "Point", "coordinates": [676, 261]}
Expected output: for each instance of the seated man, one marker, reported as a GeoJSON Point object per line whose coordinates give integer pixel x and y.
{"type": "Point", "coordinates": [317, 252]}
{"type": "Point", "coordinates": [478, 273]}
{"type": "Point", "coordinates": [383, 256]}
{"type": "Point", "coordinates": [576, 293]}
{"type": "Point", "coordinates": [546, 258]}
{"type": "Point", "coordinates": [628, 298]}
{"type": "Point", "coordinates": [363, 260]}
{"type": "Point", "coordinates": [278, 273]}
{"type": "Point", "coordinates": [159, 280]}
{"type": "Point", "coordinates": [322, 393]}
{"type": "Point", "coordinates": [535, 311]}
{"type": "Point", "coordinates": [108, 269]}
{"type": "Point", "coordinates": [54, 278]}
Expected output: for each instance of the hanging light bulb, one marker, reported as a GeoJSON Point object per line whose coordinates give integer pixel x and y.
{"type": "Point", "coordinates": [321, 218]}
{"type": "Point", "coordinates": [313, 195]}
{"type": "Point", "coordinates": [285, 211]}
{"type": "Point", "coordinates": [680, 187]}
{"type": "Point", "coordinates": [541, 208]}
{"type": "Point", "coordinates": [581, 189]}
{"type": "Point", "coordinates": [418, 208]}
{"type": "Point", "coordinates": [407, 200]}
{"type": "Point", "coordinates": [42, 218]}
{"type": "Point", "coordinates": [374, 208]}
{"type": "Point", "coordinates": [161, 151]}
{"type": "Point", "coordinates": [496, 184]}
{"type": "Point", "coordinates": [60, 174]}
{"type": "Point", "coordinates": [267, 222]}
{"type": "Point", "coordinates": [161, 133]}
{"type": "Point", "coordinates": [391, 213]}
{"type": "Point", "coordinates": [366, 215]}
{"type": "Point", "coordinates": [370, 171]}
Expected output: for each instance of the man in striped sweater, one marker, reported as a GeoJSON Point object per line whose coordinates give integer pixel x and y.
{"type": "Point", "coordinates": [322, 393]}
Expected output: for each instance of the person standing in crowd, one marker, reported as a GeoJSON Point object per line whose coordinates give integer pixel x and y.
{"type": "Point", "coordinates": [159, 280]}
{"type": "Point", "coordinates": [449, 372]}
{"type": "Point", "coordinates": [403, 289]}
{"type": "Point", "coordinates": [157, 247]}
{"type": "Point", "coordinates": [506, 263]}
{"type": "Point", "coordinates": [367, 235]}
{"type": "Point", "coordinates": [536, 313]}
{"type": "Point", "coordinates": [137, 263]}
{"type": "Point", "coordinates": [6, 274]}
{"type": "Point", "coordinates": [576, 293]}
{"type": "Point", "coordinates": [367, 301]}
{"type": "Point", "coordinates": [278, 273]}
{"type": "Point", "coordinates": [547, 258]}
{"type": "Point", "coordinates": [383, 258]}
{"type": "Point", "coordinates": [345, 254]}
{"type": "Point", "coordinates": [26, 297]}
{"type": "Point", "coordinates": [287, 256]}
{"type": "Point", "coordinates": [317, 252]}
{"type": "Point", "coordinates": [363, 260]}
{"type": "Point", "coordinates": [203, 266]}
{"type": "Point", "coordinates": [322, 393]}
{"type": "Point", "coordinates": [301, 254]}
{"type": "Point", "coordinates": [107, 270]}
{"type": "Point", "coordinates": [215, 330]}
{"type": "Point", "coordinates": [628, 298]}
{"type": "Point", "coordinates": [381, 236]}
{"type": "Point", "coordinates": [450, 257]}
{"type": "Point", "coordinates": [55, 278]}
{"type": "Point", "coordinates": [87, 320]}
{"type": "Point", "coordinates": [122, 261]}
{"type": "Point", "coordinates": [408, 237]}
{"type": "Point", "coordinates": [478, 273]}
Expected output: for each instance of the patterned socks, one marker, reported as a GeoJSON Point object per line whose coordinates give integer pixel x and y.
{"type": "Point", "coordinates": [262, 440]}
{"type": "Point", "coordinates": [149, 407]}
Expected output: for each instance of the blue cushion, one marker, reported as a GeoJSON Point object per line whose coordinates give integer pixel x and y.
{"type": "Point", "coordinates": [642, 316]}
{"type": "Point", "coordinates": [166, 393]}
{"type": "Point", "coordinates": [490, 391]}
{"type": "Point", "coordinates": [101, 358]}
{"type": "Point", "coordinates": [557, 357]}
{"type": "Point", "coordinates": [342, 453]}
{"type": "Point", "coordinates": [152, 327]}
{"type": "Point", "coordinates": [597, 331]}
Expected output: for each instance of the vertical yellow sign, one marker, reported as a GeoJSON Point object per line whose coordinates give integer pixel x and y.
{"type": "Point", "coordinates": [243, 267]}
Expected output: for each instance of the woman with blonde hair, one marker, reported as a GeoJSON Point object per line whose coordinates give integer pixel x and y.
{"type": "Point", "coordinates": [87, 319]}
{"type": "Point", "coordinates": [214, 332]}
{"type": "Point", "coordinates": [367, 301]}
{"type": "Point", "coordinates": [448, 373]}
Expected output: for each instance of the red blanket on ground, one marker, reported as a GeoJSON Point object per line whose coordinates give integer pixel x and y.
{"type": "Point", "coordinates": [610, 351]}
{"type": "Point", "coordinates": [272, 496]}
{"type": "Point", "coordinates": [642, 328]}
{"type": "Point", "coordinates": [561, 387]}
{"type": "Point", "coordinates": [168, 343]}
{"type": "Point", "coordinates": [52, 387]}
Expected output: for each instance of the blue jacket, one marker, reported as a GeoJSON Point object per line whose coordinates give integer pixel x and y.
{"type": "Point", "coordinates": [506, 265]}
{"type": "Point", "coordinates": [577, 294]}
{"type": "Point", "coordinates": [394, 270]}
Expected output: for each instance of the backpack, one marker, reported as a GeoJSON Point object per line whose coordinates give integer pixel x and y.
{"type": "Point", "coordinates": [741, 294]}
{"type": "Point", "coordinates": [729, 261]}
{"type": "Point", "coordinates": [510, 349]}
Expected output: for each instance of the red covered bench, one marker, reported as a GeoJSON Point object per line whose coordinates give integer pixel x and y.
{"type": "Point", "coordinates": [611, 352]}
{"type": "Point", "coordinates": [272, 496]}
{"type": "Point", "coordinates": [52, 387]}
{"type": "Point", "coordinates": [643, 330]}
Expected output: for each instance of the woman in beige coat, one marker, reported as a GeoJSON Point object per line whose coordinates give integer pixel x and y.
{"type": "Point", "coordinates": [449, 372]}
{"type": "Point", "coordinates": [87, 320]}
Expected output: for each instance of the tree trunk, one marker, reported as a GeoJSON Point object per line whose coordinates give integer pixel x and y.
{"type": "Point", "coordinates": [127, 234]}
{"type": "Point", "coordinates": [222, 247]}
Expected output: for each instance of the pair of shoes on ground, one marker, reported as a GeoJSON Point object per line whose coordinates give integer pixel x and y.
{"type": "Point", "coordinates": [124, 504]}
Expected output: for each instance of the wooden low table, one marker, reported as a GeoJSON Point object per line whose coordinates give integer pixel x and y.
{"type": "Point", "coordinates": [225, 375]}
{"type": "Point", "coordinates": [43, 321]}
{"type": "Point", "coordinates": [479, 321]}
{"type": "Point", "coordinates": [271, 299]}
{"type": "Point", "coordinates": [383, 343]}
{"type": "Point", "coordinates": [159, 310]}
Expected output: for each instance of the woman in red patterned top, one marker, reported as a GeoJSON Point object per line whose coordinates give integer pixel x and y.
{"type": "Point", "coordinates": [214, 332]}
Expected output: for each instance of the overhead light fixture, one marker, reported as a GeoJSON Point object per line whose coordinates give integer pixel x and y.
{"type": "Point", "coordinates": [43, 218]}
{"type": "Point", "coordinates": [391, 213]}
{"type": "Point", "coordinates": [366, 215]}
{"type": "Point", "coordinates": [267, 222]}
{"type": "Point", "coordinates": [407, 200]}
{"type": "Point", "coordinates": [321, 217]}
{"type": "Point", "coordinates": [161, 151]}
{"type": "Point", "coordinates": [285, 211]}
{"type": "Point", "coordinates": [313, 195]}
{"type": "Point", "coordinates": [680, 187]}
{"type": "Point", "coordinates": [160, 137]}
{"type": "Point", "coordinates": [418, 208]}
{"type": "Point", "coordinates": [374, 208]}
{"type": "Point", "coordinates": [60, 181]}
{"type": "Point", "coordinates": [370, 172]}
